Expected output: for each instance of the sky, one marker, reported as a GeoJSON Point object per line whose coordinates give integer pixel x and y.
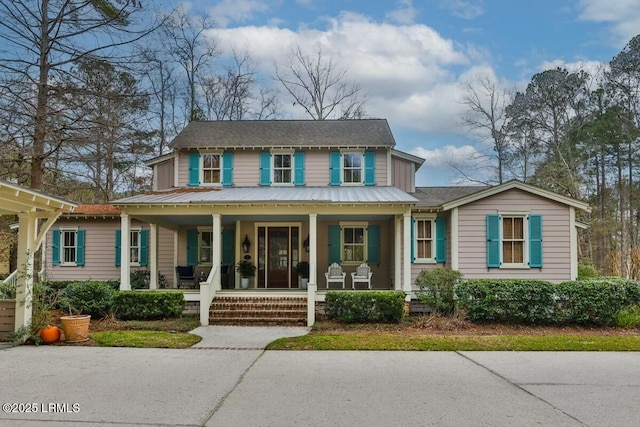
{"type": "Point", "coordinates": [412, 57]}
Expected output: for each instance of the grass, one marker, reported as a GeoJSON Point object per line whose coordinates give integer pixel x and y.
{"type": "Point", "coordinates": [413, 342]}
{"type": "Point", "coordinates": [145, 339]}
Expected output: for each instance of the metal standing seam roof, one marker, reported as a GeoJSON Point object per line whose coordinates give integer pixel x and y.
{"type": "Point", "coordinates": [273, 195]}
{"type": "Point", "coordinates": [285, 133]}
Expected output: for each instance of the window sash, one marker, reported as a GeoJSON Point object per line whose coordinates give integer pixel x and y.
{"type": "Point", "coordinates": [211, 168]}
{"type": "Point", "coordinates": [69, 246]}
{"type": "Point", "coordinates": [353, 244]}
{"type": "Point", "coordinates": [425, 239]}
{"type": "Point", "coordinates": [205, 247]}
{"type": "Point", "coordinates": [134, 246]}
{"type": "Point", "coordinates": [513, 240]}
{"type": "Point", "coordinates": [282, 168]}
{"type": "Point", "coordinates": [352, 164]}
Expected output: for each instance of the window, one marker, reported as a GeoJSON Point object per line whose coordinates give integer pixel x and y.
{"type": "Point", "coordinates": [282, 168]}
{"type": "Point", "coordinates": [353, 244]}
{"type": "Point", "coordinates": [204, 247]}
{"type": "Point", "coordinates": [210, 169]}
{"type": "Point", "coordinates": [138, 247]}
{"type": "Point", "coordinates": [352, 168]}
{"type": "Point", "coordinates": [69, 249]}
{"type": "Point", "coordinates": [513, 240]}
{"type": "Point", "coordinates": [425, 239]}
{"type": "Point", "coordinates": [134, 246]}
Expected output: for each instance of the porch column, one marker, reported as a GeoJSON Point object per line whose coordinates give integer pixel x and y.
{"type": "Point", "coordinates": [406, 258]}
{"type": "Point", "coordinates": [125, 283]}
{"type": "Point", "coordinates": [153, 256]}
{"type": "Point", "coordinates": [216, 255]}
{"type": "Point", "coordinates": [397, 261]}
{"type": "Point", "coordinates": [28, 224]}
{"type": "Point", "coordinates": [313, 248]}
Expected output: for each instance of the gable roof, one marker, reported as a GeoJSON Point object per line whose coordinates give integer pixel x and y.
{"type": "Point", "coordinates": [285, 134]}
{"type": "Point", "coordinates": [515, 184]}
{"type": "Point", "coordinates": [16, 198]}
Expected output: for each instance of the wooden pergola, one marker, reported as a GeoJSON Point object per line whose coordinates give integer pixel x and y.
{"type": "Point", "coordinates": [36, 212]}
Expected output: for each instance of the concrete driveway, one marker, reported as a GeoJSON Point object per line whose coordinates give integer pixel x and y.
{"type": "Point", "coordinates": [63, 385]}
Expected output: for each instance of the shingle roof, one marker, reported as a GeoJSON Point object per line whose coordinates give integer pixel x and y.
{"type": "Point", "coordinates": [285, 133]}
{"type": "Point", "coordinates": [97, 209]}
{"type": "Point", "coordinates": [434, 197]}
{"type": "Point", "coordinates": [274, 195]}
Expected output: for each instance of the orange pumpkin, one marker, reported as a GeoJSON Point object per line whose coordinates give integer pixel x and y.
{"type": "Point", "coordinates": [50, 334]}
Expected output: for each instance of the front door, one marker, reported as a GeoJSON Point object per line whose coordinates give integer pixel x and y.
{"type": "Point", "coordinates": [277, 256]}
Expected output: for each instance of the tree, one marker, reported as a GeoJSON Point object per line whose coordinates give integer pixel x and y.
{"type": "Point", "coordinates": [193, 51]}
{"type": "Point", "coordinates": [486, 116]}
{"type": "Point", "coordinates": [319, 87]}
{"type": "Point", "coordinates": [41, 43]}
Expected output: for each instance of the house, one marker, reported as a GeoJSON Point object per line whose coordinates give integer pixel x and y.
{"type": "Point", "coordinates": [276, 193]}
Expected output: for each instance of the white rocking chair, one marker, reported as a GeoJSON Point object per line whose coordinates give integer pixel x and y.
{"type": "Point", "coordinates": [362, 275]}
{"type": "Point", "coordinates": [335, 274]}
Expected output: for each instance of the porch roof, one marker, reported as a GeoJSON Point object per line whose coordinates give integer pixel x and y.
{"type": "Point", "coordinates": [225, 195]}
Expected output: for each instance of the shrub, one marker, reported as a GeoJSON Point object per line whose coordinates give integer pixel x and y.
{"type": "Point", "coordinates": [594, 301]}
{"type": "Point", "coordinates": [628, 317]}
{"type": "Point", "coordinates": [92, 297]}
{"type": "Point", "coordinates": [7, 291]}
{"type": "Point", "coordinates": [507, 300]}
{"type": "Point", "coordinates": [139, 279]}
{"type": "Point", "coordinates": [587, 271]}
{"type": "Point", "coordinates": [437, 288]}
{"type": "Point", "coordinates": [363, 307]}
{"type": "Point", "coordinates": [140, 305]}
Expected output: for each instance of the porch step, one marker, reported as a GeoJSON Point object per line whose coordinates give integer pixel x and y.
{"type": "Point", "coordinates": [263, 310]}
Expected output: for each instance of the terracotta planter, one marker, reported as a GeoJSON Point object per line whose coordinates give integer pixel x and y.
{"type": "Point", "coordinates": [76, 327]}
{"type": "Point", "coordinates": [50, 334]}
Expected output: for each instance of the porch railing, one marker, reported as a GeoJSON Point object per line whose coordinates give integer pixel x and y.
{"type": "Point", "coordinates": [11, 279]}
{"type": "Point", "coordinates": [207, 293]}
{"type": "Point", "coordinates": [311, 303]}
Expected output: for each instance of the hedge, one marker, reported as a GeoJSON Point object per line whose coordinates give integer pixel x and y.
{"type": "Point", "coordinates": [90, 297]}
{"type": "Point", "coordinates": [583, 302]}
{"type": "Point", "coordinates": [148, 305]}
{"type": "Point", "coordinates": [365, 307]}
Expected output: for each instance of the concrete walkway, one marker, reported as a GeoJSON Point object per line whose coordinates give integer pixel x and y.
{"type": "Point", "coordinates": [243, 385]}
{"type": "Point", "coordinates": [243, 337]}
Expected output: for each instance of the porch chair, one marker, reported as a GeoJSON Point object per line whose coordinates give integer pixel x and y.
{"type": "Point", "coordinates": [362, 274]}
{"type": "Point", "coordinates": [335, 274]}
{"type": "Point", "coordinates": [186, 273]}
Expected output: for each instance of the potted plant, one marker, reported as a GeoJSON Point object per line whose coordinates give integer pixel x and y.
{"type": "Point", "coordinates": [303, 271]}
{"type": "Point", "coordinates": [246, 269]}
{"type": "Point", "coordinates": [76, 325]}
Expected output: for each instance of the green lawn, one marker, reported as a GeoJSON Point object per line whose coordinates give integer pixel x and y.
{"type": "Point", "coordinates": [412, 342]}
{"type": "Point", "coordinates": [148, 339]}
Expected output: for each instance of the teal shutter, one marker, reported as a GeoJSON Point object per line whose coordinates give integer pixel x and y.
{"type": "Point", "coordinates": [535, 241]}
{"type": "Point", "coordinates": [55, 248]}
{"type": "Point", "coordinates": [192, 247]}
{"type": "Point", "coordinates": [228, 245]}
{"type": "Point", "coordinates": [80, 247]}
{"type": "Point", "coordinates": [118, 246]}
{"type": "Point", "coordinates": [144, 248]}
{"type": "Point", "coordinates": [265, 168]}
{"type": "Point", "coordinates": [298, 160]}
{"type": "Point", "coordinates": [194, 169]}
{"type": "Point", "coordinates": [413, 239]}
{"type": "Point", "coordinates": [334, 244]}
{"type": "Point", "coordinates": [493, 240]}
{"type": "Point", "coordinates": [334, 167]}
{"type": "Point", "coordinates": [441, 239]}
{"type": "Point", "coordinates": [369, 168]}
{"type": "Point", "coordinates": [227, 169]}
{"type": "Point", "coordinates": [373, 244]}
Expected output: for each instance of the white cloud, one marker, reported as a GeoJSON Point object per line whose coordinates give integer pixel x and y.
{"type": "Point", "coordinates": [463, 9]}
{"type": "Point", "coordinates": [444, 157]}
{"type": "Point", "coordinates": [595, 69]}
{"type": "Point", "coordinates": [409, 73]}
{"type": "Point", "coordinates": [624, 15]}
{"type": "Point", "coordinates": [228, 11]}
{"type": "Point", "coordinates": [406, 13]}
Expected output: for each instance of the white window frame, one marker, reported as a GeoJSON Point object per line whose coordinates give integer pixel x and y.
{"type": "Point", "coordinates": [343, 169]}
{"type": "Point", "coordinates": [202, 168]}
{"type": "Point", "coordinates": [418, 218]}
{"type": "Point", "coordinates": [201, 231]}
{"type": "Point", "coordinates": [525, 239]}
{"type": "Point", "coordinates": [135, 231]}
{"type": "Point", "coordinates": [292, 168]}
{"type": "Point", "coordinates": [63, 261]}
{"type": "Point", "coordinates": [364, 244]}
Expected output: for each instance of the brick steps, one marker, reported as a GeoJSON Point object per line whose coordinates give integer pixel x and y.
{"type": "Point", "coordinates": [258, 311]}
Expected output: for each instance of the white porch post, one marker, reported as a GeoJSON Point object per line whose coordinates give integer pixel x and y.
{"type": "Point", "coordinates": [313, 249]}
{"type": "Point", "coordinates": [397, 261]}
{"type": "Point", "coordinates": [406, 258]}
{"type": "Point", "coordinates": [216, 254]}
{"type": "Point", "coordinates": [153, 256]}
{"type": "Point", "coordinates": [26, 247]}
{"type": "Point", "coordinates": [125, 283]}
